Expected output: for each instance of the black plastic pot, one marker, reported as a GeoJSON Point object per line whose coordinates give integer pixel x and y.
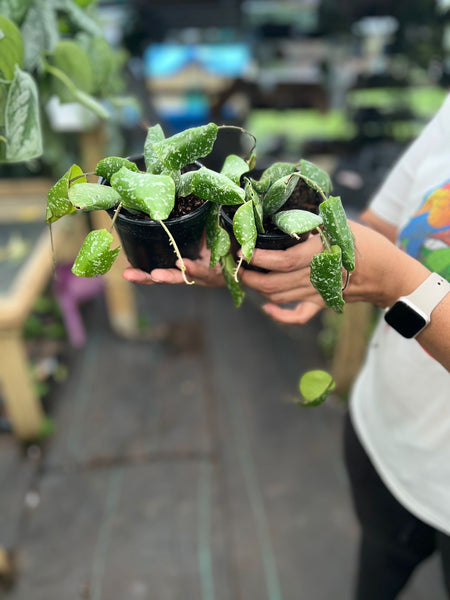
{"type": "Point", "coordinates": [265, 241]}
{"type": "Point", "coordinates": [147, 245]}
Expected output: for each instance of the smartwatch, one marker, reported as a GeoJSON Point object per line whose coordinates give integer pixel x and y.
{"type": "Point", "coordinates": [410, 314]}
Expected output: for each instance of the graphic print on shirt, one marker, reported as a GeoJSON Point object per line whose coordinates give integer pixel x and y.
{"type": "Point", "coordinates": [427, 235]}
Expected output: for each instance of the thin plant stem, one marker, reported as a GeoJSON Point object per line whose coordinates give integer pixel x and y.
{"type": "Point", "coordinates": [177, 252]}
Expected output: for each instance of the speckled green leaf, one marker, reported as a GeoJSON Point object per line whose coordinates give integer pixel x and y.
{"type": "Point", "coordinates": [108, 166]}
{"type": "Point", "coordinates": [326, 277]}
{"type": "Point", "coordinates": [215, 187]}
{"type": "Point", "coordinates": [315, 387]}
{"type": "Point", "coordinates": [151, 194]}
{"type": "Point", "coordinates": [93, 196]}
{"type": "Point", "coordinates": [235, 288]}
{"type": "Point", "coordinates": [278, 193]}
{"type": "Point", "coordinates": [244, 228]}
{"type": "Point", "coordinates": [11, 48]}
{"type": "Point", "coordinates": [275, 172]}
{"type": "Point", "coordinates": [337, 228]}
{"type": "Point", "coordinates": [95, 256]}
{"type": "Point", "coordinates": [251, 195]}
{"type": "Point", "coordinates": [217, 239]}
{"type": "Point", "coordinates": [154, 134]}
{"type": "Point", "coordinates": [22, 119]}
{"type": "Point", "coordinates": [187, 146]}
{"type": "Point", "coordinates": [184, 184]}
{"type": "Point", "coordinates": [234, 167]}
{"type": "Point", "coordinates": [315, 174]}
{"type": "Point", "coordinates": [296, 221]}
{"type": "Point", "coordinates": [58, 203]}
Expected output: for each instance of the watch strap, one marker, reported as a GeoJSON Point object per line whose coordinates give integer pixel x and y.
{"type": "Point", "coordinates": [429, 293]}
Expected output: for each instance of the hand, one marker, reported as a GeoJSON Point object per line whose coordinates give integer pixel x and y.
{"type": "Point", "coordinates": [196, 270]}
{"type": "Point", "coordinates": [287, 282]}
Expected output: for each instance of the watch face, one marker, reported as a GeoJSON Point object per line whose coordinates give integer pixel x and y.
{"type": "Point", "coordinates": [405, 319]}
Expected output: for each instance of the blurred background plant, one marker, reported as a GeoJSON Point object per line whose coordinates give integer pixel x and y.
{"type": "Point", "coordinates": [59, 76]}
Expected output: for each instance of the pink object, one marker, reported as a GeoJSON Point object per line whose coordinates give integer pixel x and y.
{"type": "Point", "coordinates": [71, 291]}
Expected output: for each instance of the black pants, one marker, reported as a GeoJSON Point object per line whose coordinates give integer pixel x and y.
{"type": "Point", "coordinates": [393, 541]}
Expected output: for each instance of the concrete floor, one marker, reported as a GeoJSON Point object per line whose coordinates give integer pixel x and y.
{"type": "Point", "coordinates": [181, 470]}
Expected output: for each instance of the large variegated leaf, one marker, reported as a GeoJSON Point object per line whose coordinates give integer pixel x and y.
{"type": "Point", "coordinates": [244, 228]}
{"type": "Point", "coordinates": [95, 256]}
{"type": "Point", "coordinates": [93, 196]}
{"type": "Point", "coordinates": [58, 203]}
{"type": "Point", "coordinates": [151, 194]}
{"type": "Point", "coordinates": [11, 48]}
{"type": "Point", "coordinates": [40, 32]}
{"type": "Point", "coordinates": [22, 122]}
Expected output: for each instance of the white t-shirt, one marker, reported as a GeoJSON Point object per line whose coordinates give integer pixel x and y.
{"type": "Point", "coordinates": [400, 403]}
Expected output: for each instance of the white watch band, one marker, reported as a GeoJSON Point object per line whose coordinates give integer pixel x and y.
{"type": "Point", "coordinates": [429, 293]}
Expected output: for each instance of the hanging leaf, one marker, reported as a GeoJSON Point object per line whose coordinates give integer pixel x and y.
{"type": "Point", "coordinates": [235, 288]}
{"type": "Point", "coordinates": [217, 239]}
{"type": "Point", "coordinates": [93, 196]}
{"type": "Point", "coordinates": [40, 32]}
{"type": "Point", "coordinates": [244, 228]}
{"type": "Point", "coordinates": [296, 221]}
{"type": "Point", "coordinates": [11, 48]}
{"type": "Point", "coordinates": [22, 122]}
{"type": "Point", "coordinates": [337, 227]}
{"type": "Point", "coordinates": [234, 167]}
{"type": "Point", "coordinates": [152, 162]}
{"type": "Point", "coordinates": [58, 203]}
{"type": "Point", "coordinates": [151, 194]}
{"type": "Point", "coordinates": [278, 193]}
{"type": "Point", "coordinates": [95, 256]}
{"type": "Point", "coordinates": [316, 175]}
{"type": "Point", "coordinates": [315, 387]}
{"type": "Point", "coordinates": [326, 277]}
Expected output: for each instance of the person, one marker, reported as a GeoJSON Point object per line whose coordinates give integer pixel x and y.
{"type": "Point", "coordinates": [397, 430]}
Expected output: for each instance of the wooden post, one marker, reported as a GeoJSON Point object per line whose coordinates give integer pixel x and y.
{"type": "Point", "coordinates": [120, 298]}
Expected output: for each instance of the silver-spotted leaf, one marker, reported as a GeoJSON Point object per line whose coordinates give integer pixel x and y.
{"type": "Point", "coordinates": [151, 194]}
{"type": "Point", "coordinates": [154, 134]}
{"type": "Point", "coordinates": [216, 187]}
{"type": "Point", "coordinates": [244, 228]}
{"type": "Point", "coordinates": [278, 194]}
{"type": "Point", "coordinates": [234, 167]}
{"type": "Point", "coordinates": [108, 166]}
{"type": "Point", "coordinates": [235, 287]}
{"type": "Point", "coordinates": [58, 203]}
{"type": "Point", "coordinates": [217, 238]}
{"type": "Point", "coordinates": [251, 195]}
{"type": "Point", "coordinates": [296, 221]}
{"type": "Point", "coordinates": [187, 146]}
{"type": "Point", "coordinates": [93, 196]}
{"type": "Point", "coordinates": [316, 175]}
{"type": "Point", "coordinates": [22, 119]}
{"type": "Point", "coordinates": [337, 228]}
{"type": "Point", "coordinates": [96, 255]}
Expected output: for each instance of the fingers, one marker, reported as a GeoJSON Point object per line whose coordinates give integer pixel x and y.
{"type": "Point", "coordinates": [299, 315]}
{"type": "Point", "coordinates": [280, 288]}
{"type": "Point", "coordinates": [170, 276]}
{"type": "Point", "coordinates": [293, 258]}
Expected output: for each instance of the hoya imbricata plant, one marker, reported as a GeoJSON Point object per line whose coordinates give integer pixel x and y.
{"type": "Point", "coordinates": [152, 192]}
{"type": "Point", "coordinates": [265, 202]}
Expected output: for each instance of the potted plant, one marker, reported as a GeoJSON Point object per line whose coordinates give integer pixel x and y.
{"type": "Point", "coordinates": [158, 201]}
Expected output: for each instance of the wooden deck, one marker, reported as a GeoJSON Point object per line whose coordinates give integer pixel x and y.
{"type": "Point", "coordinates": [180, 470]}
